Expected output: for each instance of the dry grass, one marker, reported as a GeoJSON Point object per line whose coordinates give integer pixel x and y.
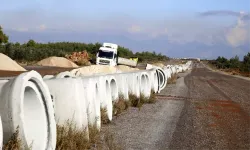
{"type": "Point", "coordinates": [138, 102]}
{"type": "Point", "coordinates": [152, 98]}
{"type": "Point", "coordinates": [15, 142]}
{"type": "Point", "coordinates": [134, 100]}
{"type": "Point", "coordinates": [104, 116]}
{"type": "Point", "coordinates": [173, 79]}
{"type": "Point", "coordinates": [71, 137]}
{"type": "Point", "coordinates": [120, 105]}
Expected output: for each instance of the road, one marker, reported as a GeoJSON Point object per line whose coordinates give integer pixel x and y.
{"type": "Point", "coordinates": [203, 110]}
{"type": "Point", "coordinates": [217, 113]}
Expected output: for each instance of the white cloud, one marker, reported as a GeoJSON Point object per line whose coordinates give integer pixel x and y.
{"type": "Point", "coordinates": [240, 34]}
{"type": "Point", "coordinates": [135, 29]}
{"type": "Point", "coordinates": [42, 27]}
{"type": "Point", "coordinates": [21, 29]}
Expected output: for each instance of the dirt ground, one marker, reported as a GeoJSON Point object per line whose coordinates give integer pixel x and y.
{"type": "Point", "coordinates": [42, 70]}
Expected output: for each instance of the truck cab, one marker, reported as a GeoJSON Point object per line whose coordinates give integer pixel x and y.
{"type": "Point", "coordinates": [107, 54]}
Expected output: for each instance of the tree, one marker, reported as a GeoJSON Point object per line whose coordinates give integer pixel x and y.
{"type": "Point", "coordinates": [222, 62]}
{"type": "Point", "coordinates": [3, 37]}
{"type": "Point", "coordinates": [9, 51]}
{"type": "Point", "coordinates": [235, 62]}
{"type": "Point", "coordinates": [31, 43]}
{"type": "Point", "coordinates": [246, 62]}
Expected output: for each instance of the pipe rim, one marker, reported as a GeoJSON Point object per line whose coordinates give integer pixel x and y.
{"type": "Point", "coordinates": [20, 82]}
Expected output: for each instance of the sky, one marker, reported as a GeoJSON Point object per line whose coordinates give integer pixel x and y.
{"type": "Point", "coordinates": [176, 28]}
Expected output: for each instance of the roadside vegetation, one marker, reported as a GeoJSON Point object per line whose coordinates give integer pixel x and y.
{"type": "Point", "coordinates": [172, 79]}
{"type": "Point", "coordinates": [15, 143]}
{"type": "Point", "coordinates": [233, 66]}
{"type": "Point", "coordinates": [138, 102]}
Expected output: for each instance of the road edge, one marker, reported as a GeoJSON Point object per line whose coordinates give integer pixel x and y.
{"type": "Point", "coordinates": [224, 73]}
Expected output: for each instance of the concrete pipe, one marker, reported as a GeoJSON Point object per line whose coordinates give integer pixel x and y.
{"type": "Point", "coordinates": [113, 88]}
{"type": "Point", "coordinates": [1, 134]}
{"type": "Point", "coordinates": [162, 79]}
{"type": "Point", "coordinates": [174, 70]}
{"type": "Point", "coordinates": [25, 102]}
{"type": "Point", "coordinates": [145, 87]}
{"type": "Point", "coordinates": [65, 74]}
{"type": "Point", "coordinates": [168, 71]}
{"type": "Point", "coordinates": [122, 82]}
{"type": "Point", "coordinates": [68, 99]}
{"type": "Point", "coordinates": [153, 80]}
{"type": "Point", "coordinates": [91, 90]}
{"type": "Point", "coordinates": [134, 83]}
{"type": "Point", "coordinates": [105, 95]}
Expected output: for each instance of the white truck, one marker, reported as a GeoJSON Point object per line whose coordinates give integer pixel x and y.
{"type": "Point", "coordinates": [108, 55]}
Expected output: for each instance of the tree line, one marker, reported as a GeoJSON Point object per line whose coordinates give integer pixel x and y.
{"type": "Point", "coordinates": [33, 51]}
{"type": "Point", "coordinates": [233, 63]}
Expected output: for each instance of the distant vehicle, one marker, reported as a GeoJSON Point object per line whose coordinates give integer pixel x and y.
{"type": "Point", "coordinates": [108, 55]}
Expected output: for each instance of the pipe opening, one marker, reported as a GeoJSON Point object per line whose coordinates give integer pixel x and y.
{"type": "Point", "coordinates": [114, 89]}
{"type": "Point", "coordinates": [161, 78]}
{"type": "Point", "coordinates": [35, 119]}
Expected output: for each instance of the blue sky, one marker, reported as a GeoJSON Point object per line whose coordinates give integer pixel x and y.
{"type": "Point", "coordinates": [176, 28]}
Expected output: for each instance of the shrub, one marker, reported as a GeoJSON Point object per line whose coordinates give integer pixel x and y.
{"type": "Point", "coordinates": [104, 116]}
{"type": "Point", "coordinates": [172, 79]}
{"type": "Point", "coordinates": [120, 105]}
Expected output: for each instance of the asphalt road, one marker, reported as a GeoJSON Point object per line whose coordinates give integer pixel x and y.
{"type": "Point", "coordinates": [203, 110]}
{"type": "Point", "coordinates": [216, 113]}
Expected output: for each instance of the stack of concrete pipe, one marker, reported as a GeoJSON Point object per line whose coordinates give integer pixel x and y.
{"type": "Point", "coordinates": [36, 105]}
{"type": "Point", "coordinates": [25, 104]}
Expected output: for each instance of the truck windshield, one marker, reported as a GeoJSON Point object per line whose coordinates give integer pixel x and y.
{"type": "Point", "coordinates": [105, 54]}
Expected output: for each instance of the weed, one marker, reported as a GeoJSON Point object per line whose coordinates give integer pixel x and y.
{"type": "Point", "coordinates": [104, 116]}
{"type": "Point", "coordinates": [138, 102]}
{"type": "Point", "coordinates": [14, 142]}
{"type": "Point", "coordinates": [71, 137]}
{"type": "Point", "coordinates": [94, 136]}
{"type": "Point", "coordinates": [142, 100]}
{"type": "Point", "coordinates": [172, 79]}
{"type": "Point", "coordinates": [152, 98]}
{"type": "Point", "coordinates": [120, 105]}
{"type": "Point", "coordinates": [134, 100]}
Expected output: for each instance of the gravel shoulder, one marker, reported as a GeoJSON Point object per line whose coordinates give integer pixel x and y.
{"type": "Point", "coordinates": [152, 126]}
